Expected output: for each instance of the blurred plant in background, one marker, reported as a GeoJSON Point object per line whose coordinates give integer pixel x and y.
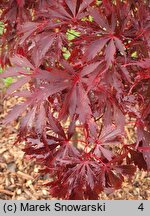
{"type": "Point", "coordinates": [7, 80]}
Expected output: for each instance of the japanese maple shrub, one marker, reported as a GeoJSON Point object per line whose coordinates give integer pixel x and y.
{"type": "Point", "coordinates": [83, 69]}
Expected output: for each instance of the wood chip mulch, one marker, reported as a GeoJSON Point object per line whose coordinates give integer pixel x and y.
{"type": "Point", "coordinates": [21, 180]}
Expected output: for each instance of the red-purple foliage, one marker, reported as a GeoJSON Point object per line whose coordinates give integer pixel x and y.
{"type": "Point", "coordinates": [77, 107]}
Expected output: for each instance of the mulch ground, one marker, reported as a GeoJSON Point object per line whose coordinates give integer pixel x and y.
{"type": "Point", "coordinates": [21, 180]}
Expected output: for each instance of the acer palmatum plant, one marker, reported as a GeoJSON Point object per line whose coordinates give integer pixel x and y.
{"type": "Point", "coordinates": [83, 69]}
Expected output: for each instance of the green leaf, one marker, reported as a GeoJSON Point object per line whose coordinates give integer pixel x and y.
{"type": "Point", "coordinates": [72, 34]}
{"type": "Point", "coordinates": [2, 28]}
{"type": "Point", "coordinates": [8, 81]}
{"type": "Point", "coordinates": [66, 53]}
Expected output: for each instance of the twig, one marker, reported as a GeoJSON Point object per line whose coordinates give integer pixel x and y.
{"type": "Point", "coordinates": [25, 176]}
{"type": "Point", "coordinates": [6, 192]}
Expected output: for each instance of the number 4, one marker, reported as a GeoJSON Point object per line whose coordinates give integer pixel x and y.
{"type": "Point", "coordinates": [141, 207]}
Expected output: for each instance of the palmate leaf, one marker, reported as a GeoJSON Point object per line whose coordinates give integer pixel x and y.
{"type": "Point", "coordinates": [109, 136]}
{"type": "Point", "coordinates": [138, 159]}
{"type": "Point", "coordinates": [27, 29]}
{"type": "Point", "coordinates": [37, 149]}
{"type": "Point", "coordinates": [12, 11]}
{"type": "Point", "coordinates": [20, 67]}
{"type": "Point", "coordinates": [41, 42]}
{"type": "Point", "coordinates": [71, 10]}
{"type": "Point", "coordinates": [100, 19]}
{"type": "Point", "coordinates": [111, 43]}
{"type": "Point", "coordinates": [126, 169]}
{"type": "Point", "coordinates": [66, 154]}
{"type": "Point", "coordinates": [120, 46]}
{"type": "Point", "coordinates": [89, 68]}
{"type": "Point", "coordinates": [77, 101]}
{"type": "Point", "coordinates": [40, 122]}
{"type": "Point", "coordinates": [100, 151]}
{"type": "Point", "coordinates": [27, 122]}
{"type": "Point", "coordinates": [107, 39]}
{"type": "Point", "coordinates": [15, 86]}
{"type": "Point", "coordinates": [95, 47]}
{"type": "Point", "coordinates": [83, 104]}
{"type": "Point", "coordinates": [145, 63]}
{"type": "Point", "coordinates": [56, 151]}
{"type": "Point", "coordinates": [83, 174]}
{"type": "Point", "coordinates": [143, 140]}
{"type": "Point", "coordinates": [15, 112]}
{"type": "Point", "coordinates": [21, 61]}
{"type": "Point", "coordinates": [35, 101]}
{"type": "Point", "coordinates": [41, 47]}
{"type": "Point", "coordinates": [55, 125]}
{"type": "Point", "coordinates": [72, 6]}
{"type": "Point", "coordinates": [110, 52]}
{"type": "Point", "coordinates": [125, 73]}
{"type": "Point", "coordinates": [114, 180]}
{"type": "Point", "coordinates": [49, 149]}
{"type": "Point", "coordinates": [12, 72]}
{"type": "Point", "coordinates": [113, 177]}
